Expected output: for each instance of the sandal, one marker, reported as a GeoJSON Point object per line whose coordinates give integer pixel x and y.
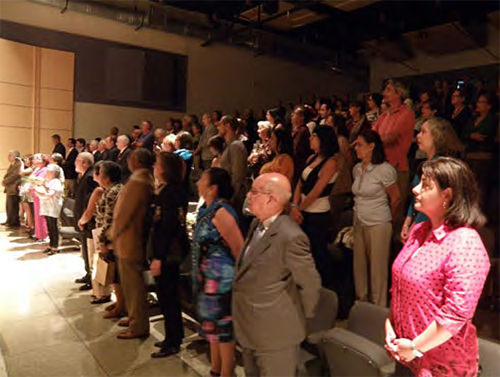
{"type": "Point", "coordinates": [110, 307]}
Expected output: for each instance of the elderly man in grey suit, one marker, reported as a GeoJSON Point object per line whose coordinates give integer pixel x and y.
{"type": "Point", "coordinates": [276, 285]}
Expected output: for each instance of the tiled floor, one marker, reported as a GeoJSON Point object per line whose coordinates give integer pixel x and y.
{"type": "Point", "coordinates": [49, 328]}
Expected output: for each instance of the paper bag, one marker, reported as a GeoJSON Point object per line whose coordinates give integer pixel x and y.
{"type": "Point", "coordinates": [105, 272]}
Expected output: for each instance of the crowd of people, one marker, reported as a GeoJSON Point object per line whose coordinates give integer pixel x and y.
{"type": "Point", "coordinates": [271, 192]}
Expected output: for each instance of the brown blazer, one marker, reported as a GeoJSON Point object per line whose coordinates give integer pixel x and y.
{"type": "Point", "coordinates": [12, 178]}
{"type": "Point", "coordinates": [276, 287]}
{"type": "Point", "coordinates": [127, 231]}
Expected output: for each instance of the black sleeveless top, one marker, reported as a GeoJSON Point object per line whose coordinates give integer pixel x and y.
{"type": "Point", "coordinates": [312, 178]}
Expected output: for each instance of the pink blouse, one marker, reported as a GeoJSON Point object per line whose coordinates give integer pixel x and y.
{"type": "Point", "coordinates": [440, 279]}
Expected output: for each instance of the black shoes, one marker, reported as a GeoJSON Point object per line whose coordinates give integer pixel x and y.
{"type": "Point", "coordinates": [83, 280]}
{"type": "Point", "coordinates": [85, 287]}
{"type": "Point", "coordinates": [101, 300]}
{"type": "Point", "coordinates": [165, 352]}
{"type": "Point", "coordinates": [160, 344]}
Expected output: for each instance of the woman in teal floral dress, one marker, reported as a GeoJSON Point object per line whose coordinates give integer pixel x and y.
{"type": "Point", "coordinates": [217, 241]}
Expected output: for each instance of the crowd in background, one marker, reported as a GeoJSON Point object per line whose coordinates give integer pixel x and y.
{"type": "Point", "coordinates": [131, 191]}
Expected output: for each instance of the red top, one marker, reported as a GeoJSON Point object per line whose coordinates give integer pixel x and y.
{"type": "Point", "coordinates": [402, 121]}
{"type": "Point", "coordinates": [440, 279]}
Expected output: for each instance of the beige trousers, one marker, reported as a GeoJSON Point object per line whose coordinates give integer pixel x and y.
{"type": "Point", "coordinates": [134, 292]}
{"type": "Point", "coordinates": [273, 363]}
{"type": "Point", "coordinates": [371, 262]}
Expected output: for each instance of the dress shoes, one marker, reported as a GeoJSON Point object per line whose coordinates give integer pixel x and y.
{"type": "Point", "coordinates": [100, 300]}
{"type": "Point", "coordinates": [127, 334]}
{"type": "Point", "coordinates": [165, 352]}
{"type": "Point", "coordinates": [84, 279]}
{"type": "Point", "coordinates": [160, 344]}
{"type": "Point", "coordinates": [85, 287]}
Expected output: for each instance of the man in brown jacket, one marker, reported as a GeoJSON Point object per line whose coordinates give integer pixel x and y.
{"type": "Point", "coordinates": [128, 236]}
{"type": "Point", "coordinates": [10, 182]}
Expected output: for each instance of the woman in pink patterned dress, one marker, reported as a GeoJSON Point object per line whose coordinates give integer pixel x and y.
{"type": "Point", "coordinates": [438, 277]}
{"type": "Point", "coordinates": [40, 162]}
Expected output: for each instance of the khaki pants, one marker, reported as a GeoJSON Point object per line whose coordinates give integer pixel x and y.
{"type": "Point", "coordinates": [273, 363]}
{"type": "Point", "coordinates": [134, 292]}
{"type": "Point", "coordinates": [371, 260]}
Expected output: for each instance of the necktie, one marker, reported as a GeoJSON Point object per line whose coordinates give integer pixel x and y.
{"type": "Point", "coordinates": [256, 236]}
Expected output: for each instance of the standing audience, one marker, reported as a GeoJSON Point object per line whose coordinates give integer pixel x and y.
{"type": "Point", "coordinates": [11, 181]}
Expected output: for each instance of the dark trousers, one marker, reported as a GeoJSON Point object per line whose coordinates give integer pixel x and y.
{"type": "Point", "coordinates": [12, 207]}
{"type": "Point", "coordinates": [167, 285]}
{"type": "Point", "coordinates": [53, 231]}
{"type": "Point", "coordinates": [316, 226]}
{"type": "Point", "coordinates": [85, 252]}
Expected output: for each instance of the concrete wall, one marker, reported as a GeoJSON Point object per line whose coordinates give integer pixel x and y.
{"type": "Point", "coordinates": [381, 69]}
{"type": "Point", "coordinates": [219, 76]}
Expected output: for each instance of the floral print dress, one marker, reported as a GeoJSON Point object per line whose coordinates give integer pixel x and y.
{"type": "Point", "coordinates": [213, 272]}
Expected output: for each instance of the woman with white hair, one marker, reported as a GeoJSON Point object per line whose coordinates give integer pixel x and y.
{"type": "Point", "coordinates": [50, 195]}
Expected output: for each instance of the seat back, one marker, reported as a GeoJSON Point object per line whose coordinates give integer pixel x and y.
{"type": "Point", "coordinates": [67, 216]}
{"type": "Point", "coordinates": [368, 321]}
{"type": "Point", "coordinates": [489, 358]}
{"type": "Point", "coordinates": [325, 313]}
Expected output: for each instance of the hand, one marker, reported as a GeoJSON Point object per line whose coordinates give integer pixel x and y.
{"type": "Point", "coordinates": [477, 136]}
{"type": "Point", "coordinates": [155, 267]}
{"type": "Point", "coordinates": [405, 230]}
{"type": "Point", "coordinates": [103, 248]}
{"type": "Point", "coordinates": [390, 337]}
{"type": "Point", "coordinates": [404, 349]}
{"type": "Point", "coordinates": [296, 215]}
{"type": "Point", "coordinates": [80, 224]}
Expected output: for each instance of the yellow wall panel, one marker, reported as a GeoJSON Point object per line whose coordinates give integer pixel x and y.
{"type": "Point", "coordinates": [14, 94]}
{"type": "Point", "coordinates": [14, 138]}
{"type": "Point", "coordinates": [56, 119]}
{"type": "Point", "coordinates": [16, 62]}
{"type": "Point", "coordinates": [16, 116]}
{"type": "Point", "coordinates": [56, 99]}
{"type": "Point", "coordinates": [57, 69]}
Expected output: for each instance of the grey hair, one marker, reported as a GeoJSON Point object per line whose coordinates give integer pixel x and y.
{"type": "Point", "coordinates": [52, 168]}
{"type": "Point", "coordinates": [399, 87]}
{"type": "Point", "coordinates": [124, 138]}
{"type": "Point", "coordinates": [15, 153]}
{"type": "Point", "coordinates": [87, 157]}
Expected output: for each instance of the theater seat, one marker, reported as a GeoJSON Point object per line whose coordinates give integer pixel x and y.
{"type": "Point", "coordinates": [358, 350]}
{"type": "Point", "coordinates": [489, 358]}
{"type": "Point", "coordinates": [67, 219]}
{"type": "Point", "coordinates": [312, 355]}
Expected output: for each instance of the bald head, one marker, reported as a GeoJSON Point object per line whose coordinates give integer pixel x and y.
{"type": "Point", "coordinates": [269, 195]}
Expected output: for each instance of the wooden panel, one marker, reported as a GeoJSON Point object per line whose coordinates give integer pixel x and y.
{"type": "Point", "coordinates": [46, 145]}
{"type": "Point", "coordinates": [56, 99]}
{"type": "Point", "coordinates": [16, 62]}
{"type": "Point", "coordinates": [15, 116]}
{"type": "Point", "coordinates": [14, 94]}
{"type": "Point", "coordinates": [56, 119]}
{"type": "Point", "coordinates": [12, 138]}
{"type": "Point", "coordinates": [57, 69]}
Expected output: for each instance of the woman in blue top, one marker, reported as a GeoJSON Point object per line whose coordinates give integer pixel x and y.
{"type": "Point", "coordinates": [217, 241]}
{"type": "Point", "coordinates": [436, 138]}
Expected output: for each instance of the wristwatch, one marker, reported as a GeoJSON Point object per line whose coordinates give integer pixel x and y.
{"type": "Point", "coordinates": [415, 351]}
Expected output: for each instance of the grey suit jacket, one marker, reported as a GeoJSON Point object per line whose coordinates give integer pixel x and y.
{"type": "Point", "coordinates": [276, 287]}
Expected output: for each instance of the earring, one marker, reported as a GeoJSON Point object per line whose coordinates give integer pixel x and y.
{"type": "Point", "coordinates": [445, 205]}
